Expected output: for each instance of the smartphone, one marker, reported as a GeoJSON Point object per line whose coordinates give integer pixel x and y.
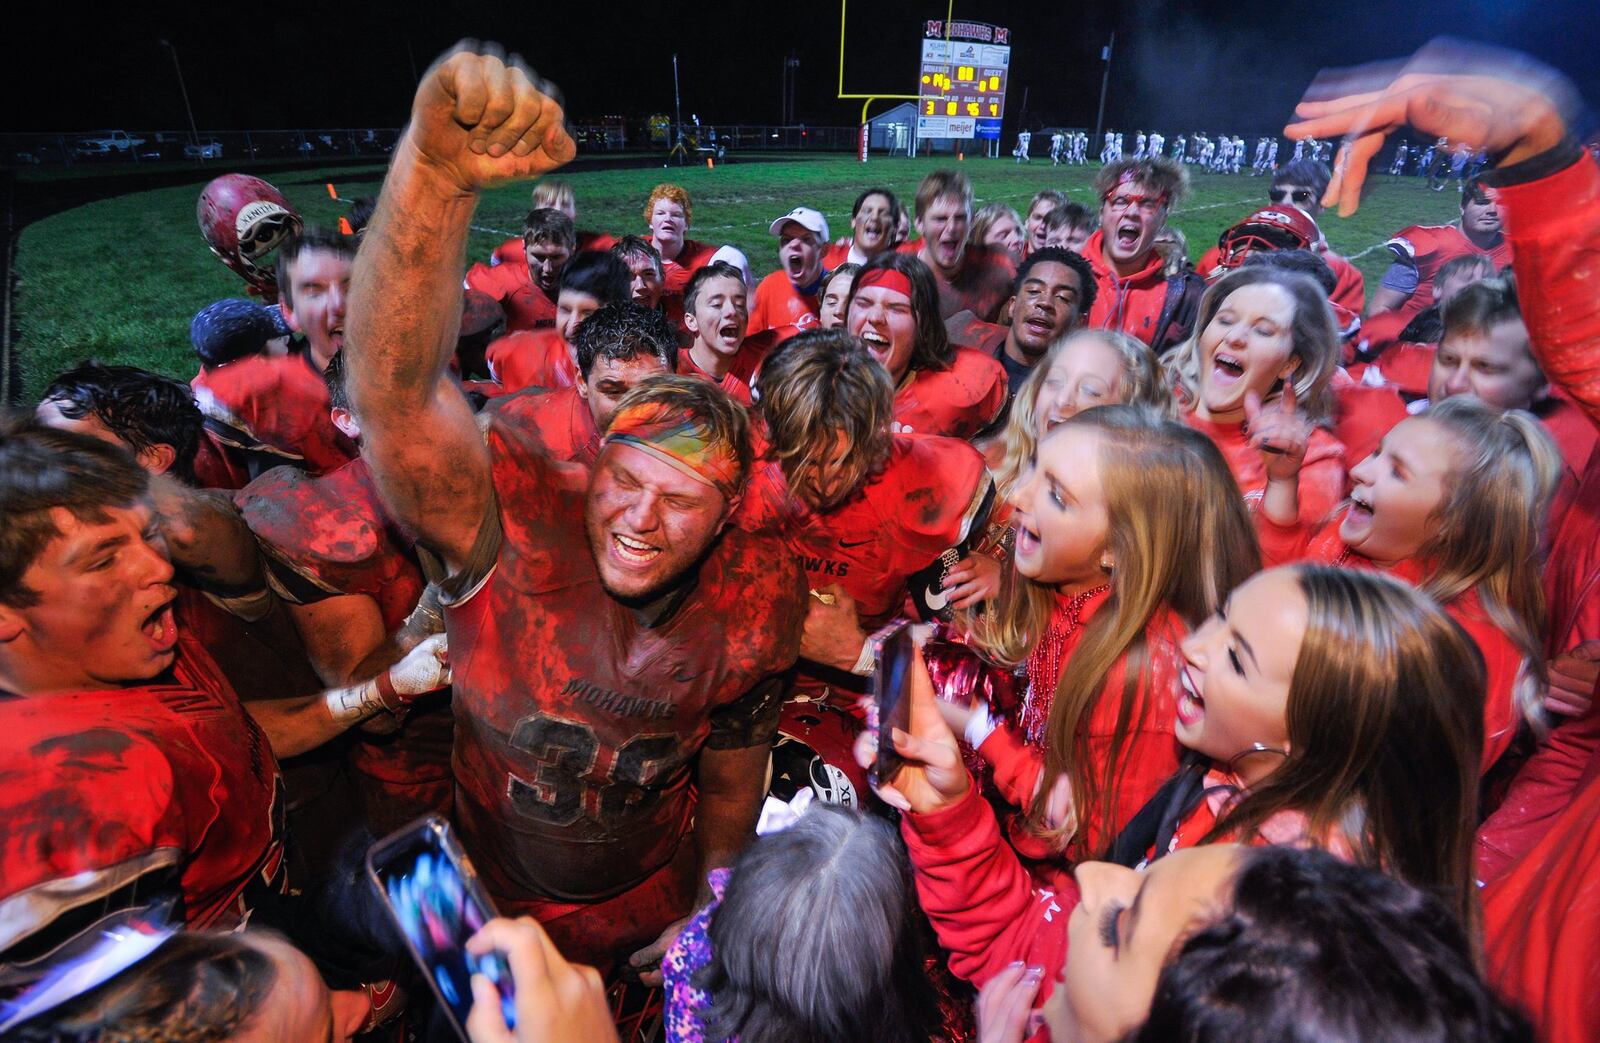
{"type": "Point", "coordinates": [890, 710]}
{"type": "Point", "coordinates": [438, 902]}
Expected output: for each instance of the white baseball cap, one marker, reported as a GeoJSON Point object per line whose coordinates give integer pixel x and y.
{"type": "Point", "coordinates": [807, 218]}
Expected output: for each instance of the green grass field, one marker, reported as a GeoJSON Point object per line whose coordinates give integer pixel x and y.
{"type": "Point", "coordinates": [119, 279]}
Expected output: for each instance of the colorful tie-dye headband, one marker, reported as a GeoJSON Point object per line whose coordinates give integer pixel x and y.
{"type": "Point", "coordinates": [672, 435]}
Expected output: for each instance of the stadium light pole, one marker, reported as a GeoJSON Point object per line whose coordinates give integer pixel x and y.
{"type": "Point", "coordinates": [194, 134]}
{"type": "Point", "coordinates": [677, 106]}
{"type": "Point", "coordinates": [1105, 81]}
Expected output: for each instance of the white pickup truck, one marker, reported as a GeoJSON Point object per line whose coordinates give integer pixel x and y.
{"type": "Point", "coordinates": [117, 141]}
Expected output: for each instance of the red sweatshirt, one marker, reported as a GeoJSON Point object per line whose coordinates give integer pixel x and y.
{"type": "Point", "coordinates": [532, 358]}
{"type": "Point", "coordinates": [958, 402]}
{"type": "Point", "coordinates": [1281, 545]}
{"type": "Point", "coordinates": [1321, 477]}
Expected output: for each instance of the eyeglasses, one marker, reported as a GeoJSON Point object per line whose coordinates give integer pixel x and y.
{"type": "Point", "coordinates": [1145, 204]}
{"type": "Point", "coordinates": [1299, 195]}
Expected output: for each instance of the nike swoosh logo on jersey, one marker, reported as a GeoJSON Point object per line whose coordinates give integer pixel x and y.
{"type": "Point", "coordinates": [855, 543]}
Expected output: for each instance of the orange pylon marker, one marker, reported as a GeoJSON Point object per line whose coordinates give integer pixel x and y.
{"type": "Point", "coordinates": [709, 164]}
{"type": "Point", "coordinates": [331, 193]}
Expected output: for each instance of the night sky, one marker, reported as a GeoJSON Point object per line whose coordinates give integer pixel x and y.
{"type": "Point", "coordinates": [1236, 65]}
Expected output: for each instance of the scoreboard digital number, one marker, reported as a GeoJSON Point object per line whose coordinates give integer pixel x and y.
{"type": "Point", "coordinates": [962, 85]}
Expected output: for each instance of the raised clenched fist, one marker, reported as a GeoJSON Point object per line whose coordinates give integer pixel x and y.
{"type": "Point", "coordinates": [481, 119]}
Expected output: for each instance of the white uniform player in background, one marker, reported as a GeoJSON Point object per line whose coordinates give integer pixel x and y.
{"type": "Point", "coordinates": [1260, 163]}
{"type": "Point", "coordinates": [1238, 153]}
{"type": "Point", "coordinates": [1080, 149]}
{"type": "Point", "coordinates": [1272, 155]}
{"type": "Point", "coordinates": [1156, 143]}
{"type": "Point", "coordinates": [1139, 143]}
{"type": "Point", "coordinates": [1399, 164]}
{"type": "Point", "coordinates": [1105, 150]}
{"type": "Point", "coordinates": [1056, 141]}
{"type": "Point", "coordinates": [1024, 139]}
{"type": "Point", "coordinates": [1180, 149]}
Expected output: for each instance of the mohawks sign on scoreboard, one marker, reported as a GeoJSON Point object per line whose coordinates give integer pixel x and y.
{"type": "Point", "coordinates": [962, 88]}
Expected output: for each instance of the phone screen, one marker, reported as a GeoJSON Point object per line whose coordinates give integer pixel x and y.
{"type": "Point", "coordinates": [889, 682]}
{"type": "Point", "coordinates": [436, 899]}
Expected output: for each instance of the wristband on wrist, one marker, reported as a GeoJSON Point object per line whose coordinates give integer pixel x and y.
{"type": "Point", "coordinates": [356, 703]}
{"type": "Point", "coordinates": [867, 661]}
{"type": "Point", "coordinates": [386, 693]}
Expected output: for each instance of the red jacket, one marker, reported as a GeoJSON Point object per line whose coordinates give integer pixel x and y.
{"type": "Point", "coordinates": [1281, 545]}
{"type": "Point", "coordinates": [1321, 478]}
{"type": "Point", "coordinates": [527, 307]}
{"type": "Point", "coordinates": [958, 402]}
{"type": "Point", "coordinates": [1542, 926]}
{"type": "Point", "coordinates": [532, 358]}
{"type": "Point", "coordinates": [1552, 222]}
{"type": "Point", "coordinates": [694, 256]}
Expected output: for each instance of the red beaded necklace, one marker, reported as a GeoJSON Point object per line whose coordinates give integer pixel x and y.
{"type": "Point", "coordinates": [1044, 663]}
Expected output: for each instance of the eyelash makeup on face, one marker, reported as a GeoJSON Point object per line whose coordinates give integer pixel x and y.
{"type": "Point", "coordinates": [1108, 927]}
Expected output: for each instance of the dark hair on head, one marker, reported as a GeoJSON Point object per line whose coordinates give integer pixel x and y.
{"type": "Point", "coordinates": [714, 270]}
{"type": "Point", "coordinates": [705, 403]}
{"type": "Point", "coordinates": [636, 246]}
{"type": "Point", "coordinates": [1075, 216]}
{"type": "Point", "coordinates": [1472, 192]}
{"type": "Point", "coordinates": [598, 273]}
{"type": "Point", "coordinates": [42, 469]}
{"type": "Point", "coordinates": [549, 225]}
{"type": "Point", "coordinates": [197, 987]}
{"type": "Point", "coordinates": [1161, 176]}
{"type": "Point", "coordinates": [622, 331]}
{"type": "Point", "coordinates": [816, 938]}
{"type": "Point", "coordinates": [141, 408]}
{"type": "Point", "coordinates": [1466, 263]}
{"type": "Point", "coordinates": [1313, 173]}
{"type": "Point", "coordinates": [894, 202]}
{"type": "Point", "coordinates": [932, 349]}
{"type": "Point", "coordinates": [847, 270]}
{"type": "Point", "coordinates": [311, 240]}
{"type": "Point", "coordinates": [939, 185]}
{"type": "Point", "coordinates": [1303, 261]}
{"type": "Point", "coordinates": [360, 213]}
{"type": "Point", "coordinates": [1481, 306]}
{"type": "Point", "coordinates": [1314, 949]}
{"type": "Point", "coordinates": [333, 377]}
{"type": "Point", "coordinates": [1087, 287]}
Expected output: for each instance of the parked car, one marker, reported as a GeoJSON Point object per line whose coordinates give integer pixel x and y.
{"type": "Point", "coordinates": [203, 150]}
{"type": "Point", "coordinates": [118, 142]}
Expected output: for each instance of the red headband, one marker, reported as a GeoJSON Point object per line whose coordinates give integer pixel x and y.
{"type": "Point", "coordinates": [888, 278]}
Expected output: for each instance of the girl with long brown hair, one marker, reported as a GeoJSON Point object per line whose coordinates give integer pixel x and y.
{"type": "Point", "coordinates": [1453, 500]}
{"type": "Point", "coordinates": [1129, 531]}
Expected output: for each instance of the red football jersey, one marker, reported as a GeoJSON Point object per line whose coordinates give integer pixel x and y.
{"type": "Point", "coordinates": [924, 501]}
{"type": "Point", "coordinates": [746, 362]}
{"type": "Point", "coordinates": [694, 256]}
{"type": "Point", "coordinates": [578, 719]}
{"type": "Point", "coordinates": [111, 796]}
{"type": "Point", "coordinates": [778, 303]}
{"type": "Point", "coordinates": [559, 420]}
{"type": "Point", "coordinates": [272, 408]}
{"type": "Point", "coordinates": [527, 307]}
{"type": "Point", "coordinates": [968, 331]}
{"type": "Point", "coordinates": [959, 402]}
{"type": "Point", "coordinates": [1431, 247]}
{"type": "Point", "coordinates": [537, 358]}
{"type": "Point", "coordinates": [332, 537]}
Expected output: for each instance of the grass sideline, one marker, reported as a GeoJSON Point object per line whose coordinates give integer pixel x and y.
{"type": "Point", "coordinates": [120, 279]}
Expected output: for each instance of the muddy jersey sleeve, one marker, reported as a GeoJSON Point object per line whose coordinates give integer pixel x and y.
{"type": "Point", "coordinates": [750, 720]}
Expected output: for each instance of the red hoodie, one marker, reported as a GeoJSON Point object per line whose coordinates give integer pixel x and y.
{"type": "Point", "coordinates": [1321, 478]}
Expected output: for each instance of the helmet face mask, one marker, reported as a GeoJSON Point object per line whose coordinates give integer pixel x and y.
{"type": "Point", "coordinates": [245, 220]}
{"type": "Point", "coordinates": [1274, 229]}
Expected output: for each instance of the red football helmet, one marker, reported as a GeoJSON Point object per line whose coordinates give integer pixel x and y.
{"type": "Point", "coordinates": [244, 221]}
{"type": "Point", "coordinates": [1274, 228]}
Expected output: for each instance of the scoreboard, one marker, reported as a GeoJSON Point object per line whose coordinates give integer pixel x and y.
{"type": "Point", "coordinates": [961, 90]}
